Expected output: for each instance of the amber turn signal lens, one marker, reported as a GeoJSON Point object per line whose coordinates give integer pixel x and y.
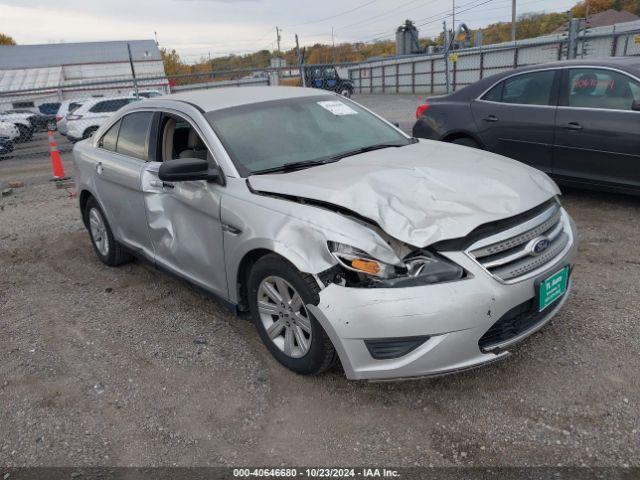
{"type": "Point", "coordinates": [372, 268]}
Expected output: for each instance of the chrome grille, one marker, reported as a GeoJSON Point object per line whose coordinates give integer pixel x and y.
{"type": "Point", "coordinates": [514, 256]}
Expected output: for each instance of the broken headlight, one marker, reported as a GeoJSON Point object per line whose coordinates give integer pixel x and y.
{"type": "Point", "coordinates": [419, 268]}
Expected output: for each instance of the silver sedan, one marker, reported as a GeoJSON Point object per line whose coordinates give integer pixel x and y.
{"type": "Point", "coordinates": [346, 240]}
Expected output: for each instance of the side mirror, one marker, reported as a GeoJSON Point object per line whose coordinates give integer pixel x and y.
{"type": "Point", "coordinates": [183, 169]}
{"type": "Point", "coordinates": [635, 106]}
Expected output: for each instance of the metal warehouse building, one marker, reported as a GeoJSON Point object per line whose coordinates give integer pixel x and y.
{"type": "Point", "coordinates": [34, 74]}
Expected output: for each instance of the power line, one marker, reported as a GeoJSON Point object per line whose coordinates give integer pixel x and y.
{"type": "Point", "coordinates": [333, 16]}
{"type": "Point", "coordinates": [385, 14]}
{"type": "Point", "coordinates": [383, 35]}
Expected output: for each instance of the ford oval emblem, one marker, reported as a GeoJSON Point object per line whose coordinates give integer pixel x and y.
{"type": "Point", "coordinates": [538, 245]}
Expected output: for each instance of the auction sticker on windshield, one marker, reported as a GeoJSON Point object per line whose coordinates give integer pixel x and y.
{"type": "Point", "coordinates": [552, 288]}
{"type": "Point", "coordinates": [337, 107]}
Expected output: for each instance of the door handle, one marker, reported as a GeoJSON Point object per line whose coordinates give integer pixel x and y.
{"type": "Point", "coordinates": [490, 118]}
{"type": "Point", "coordinates": [573, 126]}
{"type": "Point", "coordinates": [99, 168]}
{"type": "Point", "coordinates": [161, 184]}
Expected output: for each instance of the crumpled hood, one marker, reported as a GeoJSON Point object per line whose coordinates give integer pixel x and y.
{"type": "Point", "coordinates": [421, 193]}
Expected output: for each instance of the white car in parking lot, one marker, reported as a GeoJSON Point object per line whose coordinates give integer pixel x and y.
{"type": "Point", "coordinates": [87, 118]}
{"type": "Point", "coordinates": [66, 107]}
{"type": "Point", "coordinates": [341, 236]}
{"type": "Point", "coordinates": [9, 130]}
{"type": "Point", "coordinates": [21, 122]}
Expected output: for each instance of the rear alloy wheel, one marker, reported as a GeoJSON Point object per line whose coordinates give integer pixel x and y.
{"type": "Point", "coordinates": [345, 92]}
{"type": "Point", "coordinates": [107, 248]}
{"type": "Point", "coordinates": [278, 299]}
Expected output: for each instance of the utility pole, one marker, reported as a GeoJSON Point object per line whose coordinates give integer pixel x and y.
{"type": "Point", "coordinates": [333, 46]}
{"type": "Point", "coordinates": [513, 20]}
{"type": "Point", "coordinates": [278, 38]}
{"type": "Point", "coordinates": [446, 54]}
{"type": "Point", "coordinates": [133, 72]}
{"type": "Point", "coordinates": [453, 20]}
{"type": "Point", "coordinates": [299, 58]}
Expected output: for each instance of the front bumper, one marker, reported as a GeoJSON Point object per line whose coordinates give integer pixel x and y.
{"type": "Point", "coordinates": [453, 315]}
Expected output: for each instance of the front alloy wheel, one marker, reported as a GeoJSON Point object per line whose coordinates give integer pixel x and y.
{"type": "Point", "coordinates": [278, 295]}
{"type": "Point", "coordinates": [284, 317]}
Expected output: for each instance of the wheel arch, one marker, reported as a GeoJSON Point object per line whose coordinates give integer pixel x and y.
{"type": "Point", "coordinates": [84, 197]}
{"type": "Point", "coordinates": [457, 134]}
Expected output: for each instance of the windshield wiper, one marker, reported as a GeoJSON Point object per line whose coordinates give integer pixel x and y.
{"type": "Point", "coordinates": [370, 148]}
{"type": "Point", "coordinates": [291, 167]}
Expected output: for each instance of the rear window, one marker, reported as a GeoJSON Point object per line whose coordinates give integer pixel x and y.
{"type": "Point", "coordinates": [133, 138]}
{"type": "Point", "coordinates": [109, 139]}
{"type": "Point", "coordinates": [109, 105]}
{"type": "Point", "coordinates": [49, 108]}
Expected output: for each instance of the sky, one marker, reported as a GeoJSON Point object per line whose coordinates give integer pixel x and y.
{"type": "Point", "coordinates": [202, 28]}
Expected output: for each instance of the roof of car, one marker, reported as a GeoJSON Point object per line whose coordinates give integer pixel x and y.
{"type": "Point", "coordinates": [631, 64]}
{"type": "Point", "coordinates": [220, 98]}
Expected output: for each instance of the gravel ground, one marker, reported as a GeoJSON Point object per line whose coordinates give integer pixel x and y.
{"type": "Point", "coordinates": [127, 366]}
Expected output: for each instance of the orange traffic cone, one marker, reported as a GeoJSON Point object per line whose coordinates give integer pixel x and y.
{"type": "Point", "coordinates": [56, 162]}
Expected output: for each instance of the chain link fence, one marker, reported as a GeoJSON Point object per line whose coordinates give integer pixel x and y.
{"type": "Point", "coordinates": [76, 108]}
{"type": "Point", "coordinates": [447, 72]}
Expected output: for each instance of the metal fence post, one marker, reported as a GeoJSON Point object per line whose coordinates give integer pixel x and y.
{"type": "Point", "coordinates": [133, 72]}
{"type": "Point", "coordinates": [384, 74]}
{"type": "Point", "coordinates": [432, 73]}
{"type": "Point", "coordinates": [397, 78]}
{"type": "Point", "coordinates": [455, 79]}
{"type": "Point", "coordinates": [481, 65]}
{"type": "Point", "coordinates": [370, 79]}
{"type": "Point", "coordinates": [413, 77]}
{"type": "Point", "coordinates": [515, 57]}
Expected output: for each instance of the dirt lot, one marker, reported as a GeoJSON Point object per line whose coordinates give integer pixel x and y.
{"type": "Point", "coordinates": [127, 366]}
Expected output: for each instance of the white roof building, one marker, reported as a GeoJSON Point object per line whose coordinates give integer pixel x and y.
{"type": "Point", "coordinates": [54, 72]}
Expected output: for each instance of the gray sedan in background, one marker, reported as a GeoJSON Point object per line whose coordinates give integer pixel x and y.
{"type": "Point", "coordinates": [343, 238]}
{"type": "Point", "coordinates": [578, 121]}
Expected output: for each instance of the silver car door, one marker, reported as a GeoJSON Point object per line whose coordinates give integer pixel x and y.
{"type": "Point", "coordinates": [119, 161]}
{"type": "Point", "coordinates": [184, 217]}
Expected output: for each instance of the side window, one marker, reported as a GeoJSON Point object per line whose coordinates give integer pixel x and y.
{"type": "Point", "coordinates": [109, 139]}
{"type": "Point", "coordinates": [181, 140]}
{"type": "Point", "coordinates": [528, 89]}
{"type": "Point", "coordinates": [533, 88]}
{"type": "Point", "coordinates": [495, 94]}
{"type": "Point", "coordinates": [133, 138]}
{"type": "Point", "coordinates": [596, 88]}
{"type": "Point", "coordinates": [109, 105]}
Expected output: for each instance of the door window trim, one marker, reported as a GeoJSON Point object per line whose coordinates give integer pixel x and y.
{"type": "Point", "coordinates": [167, 111]}
{"type": "Point", "coordinates": [151, 147]}
{"type": "Point", "coordinates": [563, 68]}
{"type": "Point", "coordinates": [563, 98]}
{"type": "Point", "coordinates": [555, 88]}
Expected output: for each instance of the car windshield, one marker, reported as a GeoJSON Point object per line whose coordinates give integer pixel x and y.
{"type": "Point", "coordinates": [271, 135]}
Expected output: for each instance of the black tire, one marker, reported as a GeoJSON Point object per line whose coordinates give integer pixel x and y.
{"type": "Point", "coordinates": [116, 254]}
{"type": "Point", "coordinates": [26, 133]}
{"type": "Point", "coordinates": [345, 92]}
{"type": "Point", "coordinates": [321, 354]}
{"type": "Point", "coordinates": [466, 142]}
{"type": "Point", "coordinates": [89, 132]}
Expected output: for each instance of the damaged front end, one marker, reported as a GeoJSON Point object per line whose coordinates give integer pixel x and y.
{"type": "Point", "coordinates": [358, 269]}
